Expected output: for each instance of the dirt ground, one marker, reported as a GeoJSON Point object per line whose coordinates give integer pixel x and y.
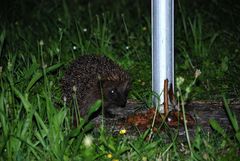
{"type": "Point", "coordinates": [201, 112]}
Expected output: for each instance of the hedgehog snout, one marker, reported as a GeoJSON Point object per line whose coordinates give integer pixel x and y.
{"type": "Point", "coordinates": [123, 101]}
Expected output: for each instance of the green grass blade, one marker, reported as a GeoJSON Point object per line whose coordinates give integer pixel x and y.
{"type": "Point", "coordinates": [33, 68]}
{"type": "Point", "coordinates": [27, 105]}
{"type": "Point", "coordinates": [136, 150]}
{"type": "Point", "coordinates": [40, 122]}
{"type": "Point", "coordinates": [232, 116]}
{"type": "Point", "coordinates": [2, 38]}
{"type": "Point", "coordinates": [3, 116]}
{"type": "Point", "coordinates": [215, 125]}
{"type": "Point", "coordinates": [35, 150]}
{"type": "Point", "coordinates": [94, 108]}
{"type": "Point", "coordinates": [238, 136]}
{"type": "Point", "coordinates": [39, 75]}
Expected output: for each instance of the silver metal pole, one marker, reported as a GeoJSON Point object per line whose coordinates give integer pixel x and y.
{"type": "Point", "coordinates": [162, 47]}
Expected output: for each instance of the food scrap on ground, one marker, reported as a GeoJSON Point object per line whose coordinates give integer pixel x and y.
{"type": "Point", "coordinates": [153, 119]}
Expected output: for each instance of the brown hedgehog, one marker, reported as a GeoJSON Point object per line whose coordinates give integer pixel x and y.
{"type": "Point", "coordinates": [94, 77]}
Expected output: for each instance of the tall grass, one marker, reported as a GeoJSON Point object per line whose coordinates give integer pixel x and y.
{"type": "Point", "coordinates": [35, 123]}
{"type": "Point", "coordinates": [203, 47]}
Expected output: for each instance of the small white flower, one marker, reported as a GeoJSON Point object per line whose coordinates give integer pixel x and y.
{"type": "Point", "coordinates": [188, 89]}
{"type": "Point", "coordinates": [178, 94]}
{"type": "Point", "coordinates": [143, 83]}
{"type": "Point", "coordinates": [85, 30]}
{"type": "Point", "coordinates": [197, 73]}
{"type": "Point", "coordinates": [9, 66]}
{"type": "Point", "coordinates": [127, 47]}
{"type": "Point", "coordinates": [182, 147]}
{"type": "Point", "coordinates": [88, 140]}
{"type": "Point", "coordinates": [99, 77]}
{"type": "Point", "coordinates": [44, 66]}
{"type": "Point", "coordinates": [74, 88]}
{"type": "Point", "coordinates": [144, 28]}
{"type": "Point", "coordinates": [179, 81]}
{"type": "Point", "coordinates": [41, 43]}
{"type": "Point", "coordinates": [74, 47]}
{"type": "Point", "coordinates": [65, 99]}
{"type": "Point", "coordinates": [144, 159]}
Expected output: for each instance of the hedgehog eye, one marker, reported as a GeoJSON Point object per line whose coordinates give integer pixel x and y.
{"type": "Point", "coordinates": [113, 91]}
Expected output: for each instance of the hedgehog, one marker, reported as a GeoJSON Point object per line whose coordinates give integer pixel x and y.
{"type": "Point", "coordinates": [94, 77]}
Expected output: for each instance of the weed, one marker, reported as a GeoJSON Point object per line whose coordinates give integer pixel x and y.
{"type": "Point", "coordinates": [38, 40]}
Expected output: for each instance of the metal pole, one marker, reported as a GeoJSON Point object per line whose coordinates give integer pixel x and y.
{"type": "Point", "coordinates": [162, 47]}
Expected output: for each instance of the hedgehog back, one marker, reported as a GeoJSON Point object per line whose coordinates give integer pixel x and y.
{"type": "Point", "coordinates": [85, 72]}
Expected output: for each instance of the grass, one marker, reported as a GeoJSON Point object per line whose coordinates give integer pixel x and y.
{"type": "Point", "coordinates": [39, 40]}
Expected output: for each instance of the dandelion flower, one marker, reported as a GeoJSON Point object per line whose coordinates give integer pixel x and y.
{"type": "Point", "coordinates": [123, 131]}
{"type": "Point", "coordinates": [109, 155]}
